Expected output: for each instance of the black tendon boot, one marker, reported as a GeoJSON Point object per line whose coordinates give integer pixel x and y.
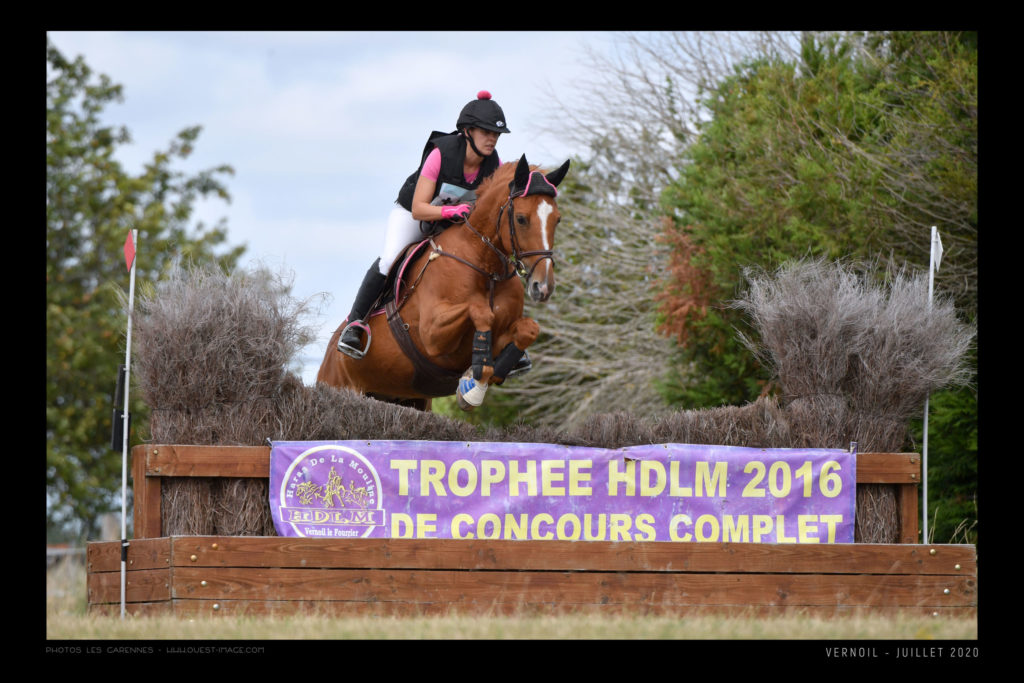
{"type": "Point", "coordinates": [351, 342]}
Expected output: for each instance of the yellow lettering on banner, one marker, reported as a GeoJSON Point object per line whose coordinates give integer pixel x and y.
{"type": "Point", "coordinates": [674, 524]}
{"type": "Point", "coordinates": [494, 521]}
{"type": "Point", "coordinates": [564, 521]}
{"type": "Point", "coordinates": [751, 490]}
{"type": "Point", "coordinates": [805, 529]}
{"type": "Point", "coordinates": [831, 520]}
{"type": "Point", "coordinates": [645, 524]}
{"type": "Point", "coordinates": [577, 487]}
{"type": "Point", "coordinates": [762, 526]}
{"type": "Point", "coordinates": [711, 521]}
{"type": "Point", "coordinates": [616, 477]}
{"type": "Point", "coordinates": [401, 525]}
{"type": "Point", "coordinates": [549, 477]}
{"type": "Point", "coordinates": [646, 487]}
{"type": "Point", "coordinates": [403, 467]}
{"type": "Point", "coordinates": [620, 524]}
{"type": "Point", "coordinates": [780, 528]}
{"type": "Point", "coordinates": [453, 478]}
{"type": "Point", "coordinates": [493, 472]}
{"type": "Point", "coordinates": [535, 526]}
{"type": "Point", "coordinates": [457, 522]}
{"type": "Point", "coordinates": [515, 529]}
{"type": "Point", "coordinates": [602, 527]}
{"type": "Point", "coordinates": [515, 477]}
{"type": "Point", "coordinates": [706, 481]}
{"type": "Point", "coordinates": [425, 523]}
{"type": "Point", "coordinates": [736, 529]}
{"type": "Point", "coordinates": [432, 474]}
{"type": "Point", "coordinates": [674, 488]}
{"type": "Point", "coordinates": [779, 490]}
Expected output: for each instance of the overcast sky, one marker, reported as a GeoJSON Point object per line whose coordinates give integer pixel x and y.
{"type": "Point", "coordinates": [322, 128]}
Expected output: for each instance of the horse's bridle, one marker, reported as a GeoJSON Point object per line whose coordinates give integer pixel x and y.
{"type": "Point", "coordinates": [513, 265]}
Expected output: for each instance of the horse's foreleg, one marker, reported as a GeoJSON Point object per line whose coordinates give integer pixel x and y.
{"type": "Point", "coordinates": [523, 333]}
{"type": "Point", "coordinates": [483, 363]}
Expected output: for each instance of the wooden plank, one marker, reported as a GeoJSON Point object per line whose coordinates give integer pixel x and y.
{"type": "Point", "coordinates": [345, 608]}
{"type": "Point", "coordinates": [906, 502]}
{"type": "Point", "coordinates": [143, 553]}
{"type": "Point", "coordinates": [164, 460]}
{"type": "Point", "coordinates": [888, 468]}
{"type": "Point", "coordinates": [273, 551]}
{"type": "Point", "coordinates": [572, 588]}
{"type": "Point", "coordinates": [146, 492]}
{"type": "Point", "coordinates": [144, 585]}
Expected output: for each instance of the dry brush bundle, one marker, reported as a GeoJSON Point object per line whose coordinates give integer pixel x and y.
{"type": "Point", "coordinates": [855, 359]}
{"type": "Point", "coordinates": [212, 353]}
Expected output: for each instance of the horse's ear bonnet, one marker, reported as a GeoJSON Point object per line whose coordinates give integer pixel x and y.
{"type": "Point", "coordinates": [529, 182]}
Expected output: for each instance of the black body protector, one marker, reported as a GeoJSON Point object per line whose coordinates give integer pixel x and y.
{"type": "Point", "coordinates": [452, 186]}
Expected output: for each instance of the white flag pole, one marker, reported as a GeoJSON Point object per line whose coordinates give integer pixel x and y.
{"type": "Point", "coordinates": [933, 265]}
{"type": "Point", "coordinates": [124, 436]}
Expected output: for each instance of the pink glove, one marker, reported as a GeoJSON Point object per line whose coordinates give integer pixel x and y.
{"type": "Point", "coordinates": [459, 211]}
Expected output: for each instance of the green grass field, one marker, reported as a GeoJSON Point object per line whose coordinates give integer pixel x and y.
{"type": "Point", "coordinates": [67, 619]}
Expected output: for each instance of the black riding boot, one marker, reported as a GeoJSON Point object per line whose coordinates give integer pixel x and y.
{"type": "Point", "coordinates": [351, 343]}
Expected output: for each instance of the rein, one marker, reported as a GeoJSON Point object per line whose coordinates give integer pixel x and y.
{"type": "Point", "coordinates": [513, 265]}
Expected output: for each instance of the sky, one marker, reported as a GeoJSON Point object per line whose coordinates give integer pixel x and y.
{"type": "Point", "coordinates": [322, 128]}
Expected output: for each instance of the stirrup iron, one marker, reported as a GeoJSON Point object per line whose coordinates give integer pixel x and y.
{"type": "Point", "coordinates": [351, 351]}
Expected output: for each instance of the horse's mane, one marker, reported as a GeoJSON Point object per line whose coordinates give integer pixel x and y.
{"type": "Point", "coordinates": [501, 177]}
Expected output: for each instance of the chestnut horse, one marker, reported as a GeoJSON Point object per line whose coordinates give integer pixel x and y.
{"type": "Point", "coordinates": [454, 321]}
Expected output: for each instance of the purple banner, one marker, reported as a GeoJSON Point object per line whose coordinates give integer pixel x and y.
{"type": "Point", "coordinates": [530, 491]}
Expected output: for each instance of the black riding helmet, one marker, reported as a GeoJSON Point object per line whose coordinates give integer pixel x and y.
{"type": "Point", "coordinates": [483, 112]}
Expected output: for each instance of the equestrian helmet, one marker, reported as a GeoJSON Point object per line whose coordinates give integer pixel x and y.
{"type": "Point", "coordinates": [483, 112]}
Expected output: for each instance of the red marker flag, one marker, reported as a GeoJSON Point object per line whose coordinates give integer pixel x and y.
{"type": "Point", "coordinates": [129, 251]}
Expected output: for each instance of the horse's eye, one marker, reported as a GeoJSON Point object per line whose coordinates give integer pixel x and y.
{"type": "Point", "coordinates": [521, 219]}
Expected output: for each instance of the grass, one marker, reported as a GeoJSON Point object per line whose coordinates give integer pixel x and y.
{"type": "Point", "coordinates": [67, 619]}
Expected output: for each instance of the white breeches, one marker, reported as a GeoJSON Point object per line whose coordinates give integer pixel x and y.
{"type": "Point", "coordinates": [402, 231]}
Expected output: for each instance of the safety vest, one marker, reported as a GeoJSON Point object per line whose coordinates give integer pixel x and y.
{"type": "Point", "coordinates": [453, 157]}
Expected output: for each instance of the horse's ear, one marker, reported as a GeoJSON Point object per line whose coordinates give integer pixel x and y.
{"type": "Point", "coordinates": [522, 175]}
{"type": "Point", "coordinates": [558, 175]}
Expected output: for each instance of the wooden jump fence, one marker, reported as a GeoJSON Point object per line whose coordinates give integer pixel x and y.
{"type": "Point", "coordinates": [186, 575]}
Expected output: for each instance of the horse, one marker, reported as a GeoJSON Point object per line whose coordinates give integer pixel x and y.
{"type": "Point", "coordinates": [452, 319]}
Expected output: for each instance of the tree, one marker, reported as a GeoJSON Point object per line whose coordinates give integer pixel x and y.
{"type": "Point", "coordinates": [91, 206]}
{"type": "Point", "coordinates": [852, 151]}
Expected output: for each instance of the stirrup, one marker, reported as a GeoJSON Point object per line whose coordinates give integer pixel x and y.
{"type": "Point", "coordinates": [522, 367]}
{"type": "Point", "coordinates": [351, 351]}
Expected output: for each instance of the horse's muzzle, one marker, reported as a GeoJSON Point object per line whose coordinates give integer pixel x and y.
{"type": "Point", "coordinates": [541, 288]}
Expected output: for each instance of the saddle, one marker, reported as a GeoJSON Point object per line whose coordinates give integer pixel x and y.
{"type": "Point", "coordinates": [429, 378]}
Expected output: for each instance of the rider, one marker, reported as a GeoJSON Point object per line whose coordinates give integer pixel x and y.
{"type": "Point", "coordinates": [440, 190]}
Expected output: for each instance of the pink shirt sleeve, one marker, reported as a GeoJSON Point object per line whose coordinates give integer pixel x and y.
{"type": "Point", "coordinates": [432, 166]}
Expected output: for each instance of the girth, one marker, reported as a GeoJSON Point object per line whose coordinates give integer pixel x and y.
{"type": "Point", "coordinates": [429, 379]}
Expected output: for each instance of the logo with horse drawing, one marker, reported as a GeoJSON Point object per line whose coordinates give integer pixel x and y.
{"type": "Point", "coordinates": [329, 491]}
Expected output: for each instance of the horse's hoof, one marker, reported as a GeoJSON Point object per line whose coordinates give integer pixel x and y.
{"type": "Point", "coordinates": [470, 393]}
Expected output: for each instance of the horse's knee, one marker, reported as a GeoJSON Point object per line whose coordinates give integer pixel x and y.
{"type": "Point", "coordinates": [524, 332]}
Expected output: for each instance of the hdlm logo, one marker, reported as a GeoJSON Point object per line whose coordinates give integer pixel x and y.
{"type": "Point", "coordinates": [331, 491]}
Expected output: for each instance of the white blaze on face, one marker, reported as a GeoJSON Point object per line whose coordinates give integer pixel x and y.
{"type": "Point", "coordinates": [544, 211]}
